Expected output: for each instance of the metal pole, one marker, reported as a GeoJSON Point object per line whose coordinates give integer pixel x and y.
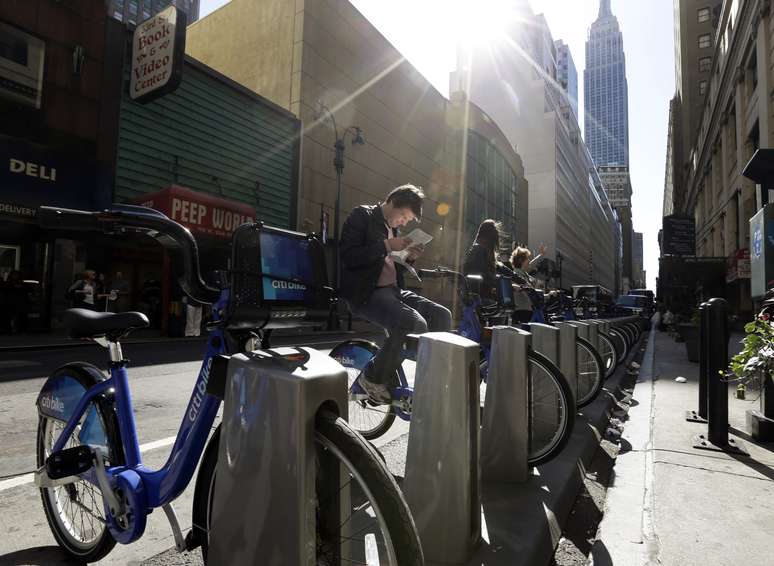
{"type": "Point", "coordinates": [704, 354]}
{"type": "Point", "coordinates": [338, 163]}
{"type": "Point", "coordinates": [717, 392]}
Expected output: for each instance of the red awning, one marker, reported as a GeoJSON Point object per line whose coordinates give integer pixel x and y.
{"type": "Point", "coordinates": [199, 212]}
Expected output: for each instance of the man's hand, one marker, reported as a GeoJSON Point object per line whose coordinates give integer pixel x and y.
{"type": "Point", "coordinates": [415, 251]}
{"type": "Point", "coordinates": [398, 244]}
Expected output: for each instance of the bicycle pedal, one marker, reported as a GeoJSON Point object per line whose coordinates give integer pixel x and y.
{"type": "Point", "coordinates": [69, 462]}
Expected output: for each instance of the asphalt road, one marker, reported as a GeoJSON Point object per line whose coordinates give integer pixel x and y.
{"type": "Point", "coordinates": [161, 380]}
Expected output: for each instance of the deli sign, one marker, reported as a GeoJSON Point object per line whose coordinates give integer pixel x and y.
{"type": "Point", "coordinates": [158, 49]}
{"type": "Point", "coordinates": [201, 213]}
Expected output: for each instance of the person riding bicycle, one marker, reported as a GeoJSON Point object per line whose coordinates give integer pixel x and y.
{"type": "Point", "coordinates": [372, 282]}
{"type": "Point", "coordinates": [481, 258]}
{"type": "Point", "coordinates": [521, 262]}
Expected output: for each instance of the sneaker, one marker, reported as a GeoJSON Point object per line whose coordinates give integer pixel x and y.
{"type": "Point", "coordinates": [377, 392]}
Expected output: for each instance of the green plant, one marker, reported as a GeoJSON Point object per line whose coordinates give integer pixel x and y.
{"type": "Point", "coordinates": [695, 317]}
{"type": "Point", "coordinates": [756, 360]}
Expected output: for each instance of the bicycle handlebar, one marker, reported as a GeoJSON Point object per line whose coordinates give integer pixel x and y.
{"type": "Point", "coordinates": [176, 239]}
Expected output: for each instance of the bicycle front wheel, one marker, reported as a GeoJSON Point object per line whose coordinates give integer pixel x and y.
{"type": "Point", "coordinates": [620, 343]}
{"type": "Point", "coordinates": [361, 515]}
{"type": "Point", "coordinates": [551, 409]}
{"type": "Point", "coordinates": [590, 372]}
{"type": "Point", "coordinates": [608, 354]}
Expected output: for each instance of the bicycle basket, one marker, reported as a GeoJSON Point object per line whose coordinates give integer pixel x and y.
{"type": "Point", "coordinates": [278, 279]}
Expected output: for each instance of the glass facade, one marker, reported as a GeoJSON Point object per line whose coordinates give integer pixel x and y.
{"type": "Point", "coordinates": [490, 188]}
{"type": "Point", "coordinates": [134, 11]}
{"type": "Point", "coordinates": [606, 92]}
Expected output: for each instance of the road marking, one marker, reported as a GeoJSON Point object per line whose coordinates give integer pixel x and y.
{"type": "Point", "coordinates": [25, 479]}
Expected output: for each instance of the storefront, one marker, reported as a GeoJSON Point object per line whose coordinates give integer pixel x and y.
{"type": "Point", "coordinates": [738, 284]}
{"type": "Point", "coordinates": [36, 267]}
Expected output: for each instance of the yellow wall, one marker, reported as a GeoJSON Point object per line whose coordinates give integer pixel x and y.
{"type": "Point", "coordinates": [251, 42]}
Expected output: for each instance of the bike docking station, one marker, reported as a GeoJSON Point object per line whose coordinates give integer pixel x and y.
{"type": "Point", "coordinates": [264, 508]}
{"type": "Point", "coordinates": [568, 354]}
{"type": "Point", "coordinates": [505, 426]}
{"type": "Point", "coordinates": [442, 478]}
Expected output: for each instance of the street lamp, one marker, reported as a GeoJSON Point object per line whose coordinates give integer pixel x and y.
{"type": "Point", "coordinates": [356, 135]}
{"type": "Point", "coordinates": [559, 259]}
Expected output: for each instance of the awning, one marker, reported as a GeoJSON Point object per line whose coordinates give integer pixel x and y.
{"type": "Point", "coordinates": [201, 213]}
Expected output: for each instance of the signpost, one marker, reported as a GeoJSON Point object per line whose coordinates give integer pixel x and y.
{"type": "Point", "coordinates": [679, 235]}
{"type": "Point", "coordinates": [158, 50]}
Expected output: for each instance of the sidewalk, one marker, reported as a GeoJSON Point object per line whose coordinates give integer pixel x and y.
{"type": "Point", "coordinates": [675, 505]}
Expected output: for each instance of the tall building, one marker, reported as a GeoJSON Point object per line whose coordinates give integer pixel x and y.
{"type": "Point", "coordinates": [606, 124]}
{"type": "Point", "coordinates": [514, 79]}
{"type": "Point", "coordinates": [724, 83]}
{"type": "Point", "coordinates": [606, 92]}
{"type": "Point", "coordinates": [567, 74]}
{"type": "Point", "coordinates": [638, 279]}
{"type": "Point", "coordinates": [134, 11]}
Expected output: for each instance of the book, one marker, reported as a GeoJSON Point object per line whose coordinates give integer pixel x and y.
{"type": "Point", "coordinates": [417, 237]}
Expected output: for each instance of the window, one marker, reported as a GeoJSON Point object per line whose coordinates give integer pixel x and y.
{"type": "Point", "coordinates": [705, 40]}
{"type": "Point", "coordinates": [705, 64]}
{"type": "Point", "coordinates": [703, 14]}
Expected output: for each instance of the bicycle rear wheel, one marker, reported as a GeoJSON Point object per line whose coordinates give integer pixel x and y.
{"type": "Point", "coordinates": [591, 372]}
{"type": "Point", "coordinates": [551, 409]}
{"type": "Point", "coordinates": [370, 420]}
{"type": "Point", "coordinates": [608, 353]}
{"type": "Point", "coordinates": [372, 525]}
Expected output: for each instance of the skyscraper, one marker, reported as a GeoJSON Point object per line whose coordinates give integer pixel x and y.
{"type": "Point", "coordinates": [567, 74]}
{"type": "Point", "coordinates": [606, 125]}
{"type": "Point", "coordinates": [134, 11]}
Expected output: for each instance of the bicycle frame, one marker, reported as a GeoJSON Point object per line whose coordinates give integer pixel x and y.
{"type": "Point", "coordinates": [168, 482]}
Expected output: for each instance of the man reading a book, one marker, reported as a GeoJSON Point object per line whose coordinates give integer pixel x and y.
{"type": "Point", "coordinates": [372, 282]}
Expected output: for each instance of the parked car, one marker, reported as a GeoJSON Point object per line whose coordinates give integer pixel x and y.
{"type": "Point", "coordinates": [592, 301]}
{"type": "Point", "coordinates": [627, 305]}
{"type": "Point", "coordinates": [651, 297]}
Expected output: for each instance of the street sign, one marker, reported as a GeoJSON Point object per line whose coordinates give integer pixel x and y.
{"type": "Point", "coordinates": [679, 235]}
{"type": "Point", "coordinates": [158, 50]}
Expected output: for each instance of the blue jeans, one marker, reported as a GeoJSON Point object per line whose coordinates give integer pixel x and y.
{"type": "Point", "coordinates": [400, 313]}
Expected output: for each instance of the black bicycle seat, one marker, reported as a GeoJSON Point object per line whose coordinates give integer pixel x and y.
{"type": "Point", "coordinates": [85, 323]}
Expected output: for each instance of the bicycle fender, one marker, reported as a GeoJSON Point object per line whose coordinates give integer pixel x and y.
{"type": "Point", "coordinates": [61, 392]}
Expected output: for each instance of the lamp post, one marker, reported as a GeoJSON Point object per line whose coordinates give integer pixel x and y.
{"type": "Point", "coordinates": [356, 136]}
{"type": "Point", "coordinates": [559, 259]}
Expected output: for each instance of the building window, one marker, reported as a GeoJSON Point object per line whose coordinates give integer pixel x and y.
{"type": "Point", "coordinates": [704, 14]}
{"type": "Point", "coordinates": [705, 40]}
{"type": "Point", "coordinates": [705, 64]}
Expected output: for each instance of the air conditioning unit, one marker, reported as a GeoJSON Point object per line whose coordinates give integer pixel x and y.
{"type": "Point", "coordinates": [21, 66]}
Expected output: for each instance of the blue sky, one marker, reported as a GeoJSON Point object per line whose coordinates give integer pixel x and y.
{"type": "Point", "coordinates": [426, 31]}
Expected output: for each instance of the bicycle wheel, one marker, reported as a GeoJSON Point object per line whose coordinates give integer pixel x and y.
{"type": "Point", "coordinates": [370, 420]}
{"type": "Point", "coordinates": [378, 521]}
{"type": "Point", "coordinates": [608, 353]}
{"type": "Point", "coordinates": [635, 328]}
{"type": "Point", "coordinates": [551, 409]}
{"type": "Point", "coordinates": [627, 334]}
{"type": "Point", "coordinates": [75, 511]}
{"type": "Point", "coordinates": [591, 372]}
{"type": "Point", "coordinates": [619, 341]}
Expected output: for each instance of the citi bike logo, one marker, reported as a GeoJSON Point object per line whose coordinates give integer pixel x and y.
{"type": "Point", "coordinates": [52, 404]}
{"type": "Point", "coordinates": [288, 285]}
{"type": "Point", "coordinates": [200, 392]}
{"type": "Point", "coordinates": [345, 361]}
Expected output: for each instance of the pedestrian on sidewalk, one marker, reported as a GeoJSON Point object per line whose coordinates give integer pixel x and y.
{"type": "Point", "coordinates": [193, 317]}
{"type": "Point", "coordinates": [82, 294]}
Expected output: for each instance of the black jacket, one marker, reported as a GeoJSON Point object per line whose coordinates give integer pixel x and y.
{"type": "Point", "coordinates": [478, 261]}
{"type": "Point", "coordinates": [362, 254]}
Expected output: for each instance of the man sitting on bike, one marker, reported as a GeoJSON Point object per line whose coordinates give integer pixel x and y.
{"type": "Point", "coordinates": [372, 283]}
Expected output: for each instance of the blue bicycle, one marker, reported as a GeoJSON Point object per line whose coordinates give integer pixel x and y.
{"type": "Point", "coordinates": [552, 407]}
{"type": "Point", "coordinates": [95, 489]}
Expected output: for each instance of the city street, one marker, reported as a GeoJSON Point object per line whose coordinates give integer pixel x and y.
{"type": "Point", "coordinates": [161, 379]}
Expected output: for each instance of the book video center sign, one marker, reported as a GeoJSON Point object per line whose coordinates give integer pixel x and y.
{"type": "Point", "coordinates": [158, 49]}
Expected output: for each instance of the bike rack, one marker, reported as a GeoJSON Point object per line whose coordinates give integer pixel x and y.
{"type": "Point", "coordinates": [504, 436]}
{"type": "Point", "coordinates": [441, 484]}
{"type": "Point", "coordinates": [264, 510]}
{"type": "Point", "coordinates": [568, 354]}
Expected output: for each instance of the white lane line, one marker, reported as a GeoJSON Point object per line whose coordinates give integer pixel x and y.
{"type": "Point", "coordinates": [29, 478]}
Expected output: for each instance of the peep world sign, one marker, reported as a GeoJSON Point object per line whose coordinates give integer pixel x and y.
{"type": "Point", "coordinates": [158, 49]}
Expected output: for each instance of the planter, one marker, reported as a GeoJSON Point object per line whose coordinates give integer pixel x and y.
{"type": "Point", "coordinates": [690, 334]}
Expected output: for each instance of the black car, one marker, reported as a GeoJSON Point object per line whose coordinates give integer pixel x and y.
{"type": "Point", "coordinates": [638, 305]}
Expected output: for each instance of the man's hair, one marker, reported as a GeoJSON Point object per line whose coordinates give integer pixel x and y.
{"type": "Point", "coordinates": [519, 255]}
{"type": "Point", "coordinates": [407, 196]}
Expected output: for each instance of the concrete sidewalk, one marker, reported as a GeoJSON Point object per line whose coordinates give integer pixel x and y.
{"type": "Point", "coordinates": [675, 505]}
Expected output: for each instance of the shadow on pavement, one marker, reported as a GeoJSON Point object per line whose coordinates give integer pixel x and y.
{"type": "Point", "coordinates": [38, 556]}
